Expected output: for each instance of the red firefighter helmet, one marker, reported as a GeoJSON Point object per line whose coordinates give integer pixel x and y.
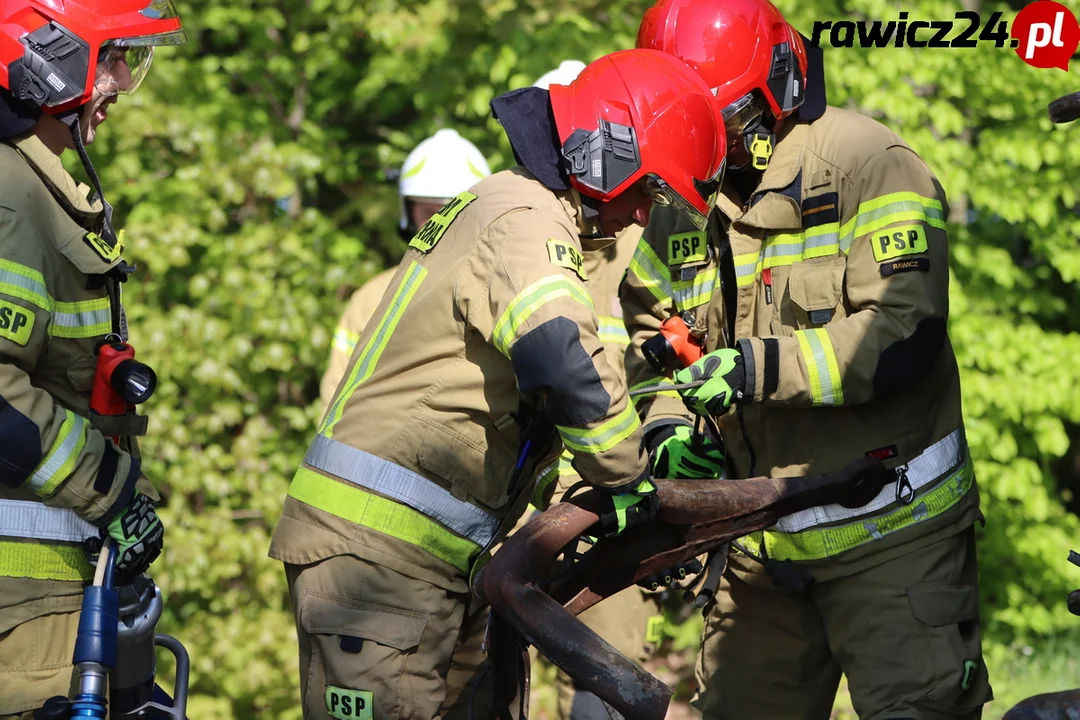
{"type": "Point", "coordinates": [738, 46]}
{"type": "Point", "coordinates": [50, 49]}
{"type": "Point", "coordinates": [642, 114]}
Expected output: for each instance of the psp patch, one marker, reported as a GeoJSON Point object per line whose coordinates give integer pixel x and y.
{"type": "Point", "coordinates": [921, 264]}
{"type": "Point", "coordinates": [565, 255]}
{"type": "Point", "coordinates": [345, 704]}
{"type": "Point", "coordinates": [686, 248]}
{"type": "Point", "coordinates": [16, 323]}
{"type": "Point", "coordinates": [435, 228]}
{"type": "Point", "coordinates": [898, 241]}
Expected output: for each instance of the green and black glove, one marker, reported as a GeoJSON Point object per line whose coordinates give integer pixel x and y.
{"type": "Point", "coordinates": [675, 455]}
{"type": "Point", "coordinates": [629, 510]}
{"type": "Point", "coordinates": [137, 533]}
{"type": "Point", "coordinates": [724, 377]}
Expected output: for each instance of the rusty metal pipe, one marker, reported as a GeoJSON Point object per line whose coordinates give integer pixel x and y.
{"type": "Point", "coordinates": [695, 517]}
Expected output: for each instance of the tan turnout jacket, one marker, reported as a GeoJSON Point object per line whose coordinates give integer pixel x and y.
{"type": "Point", "coordinates": [832, 280]}
{"type": "Point", "coordinates": [488, 316]}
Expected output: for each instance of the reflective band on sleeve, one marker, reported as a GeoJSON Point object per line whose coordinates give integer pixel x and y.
{"type": "Point", "coordinates": [60, 460]}
{"type": "Point", "coordinates": [44, 562]}
{"type": "Point", "coordinates": [653, 274]}
{"type": "Point", "coordinates": [888, 209]}
{"type": "Point", "coordinates": [612, 330]}
{"type": "Point", "coordinates": [405, 486]}
{"type": "Point", "coordinates": [24, 283]}
{"type": "Point", "coordinates": [31, 520]}
{"type": "Point", "coordinates": [365, 364]}
{"type": "Point", "coordinates": [817, 350]}
{"type": "Point", "coordinates": [86, 319]}
{"type": "Point", "coordinates": [528, 301]}
{"type": "Point", "coordinates": [350, 503]}
{"type": "Point", "coordinates": [933, 463]}
{"type": "Point", "coordinates": [345, 340]}
{"type": "Point", "coordinates": [826, 542]}
{"type": "Point", "coordinates": [604, 436]}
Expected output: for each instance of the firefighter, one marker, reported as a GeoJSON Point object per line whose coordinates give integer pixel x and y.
{"type": "Point", "coordinates": [434, 172]}
{"type": "Point", "coordinates": [821, 292]}
{"type": "Point", "coordinates": [63, 479]}
{"type": "Point", "coordinates": [484, 351]}
{"type": "Point", "coordinates": [627, 620]}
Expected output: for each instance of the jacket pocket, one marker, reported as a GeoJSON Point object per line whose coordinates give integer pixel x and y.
{"type": "Point", "coordinates": [949, 614]}
{"type": "Point", "coordinates": [814, 292]}
{"type": "Point", "coordinates": [360, 646]}
{"type": "Point", "coordinates": [481, 472]}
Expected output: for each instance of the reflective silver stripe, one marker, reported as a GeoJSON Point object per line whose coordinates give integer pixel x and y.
{"type": "Point", "coordinates": [44, 479]}
{"type": "Point", "coordinates": [35, 521]}
{"type": "Point", "coordinates": [405, 486]}
{"type": "Point", "coordinates": [932, 464]}
{"type": "Point", "coordinates": [83, 318]}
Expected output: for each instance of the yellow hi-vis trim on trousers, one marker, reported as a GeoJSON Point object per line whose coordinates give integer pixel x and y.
{"type": "Point", "coordinates": [349, 502]}
{"type": "Point", "coordinates": [825, 542]}
{"type": "Point", "coordinates": [44, 562]}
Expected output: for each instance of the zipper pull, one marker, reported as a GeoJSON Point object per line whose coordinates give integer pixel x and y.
{"type": "Point", "coordinates": [766, 276]}
{"type": "Point", "coordinates": [904, 492]}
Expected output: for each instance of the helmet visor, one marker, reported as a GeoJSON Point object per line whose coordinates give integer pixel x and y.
{"type": "Point", "coordinates": [739, 115]}
{"type": "Point", "coordinates": [664, 195]}
{"type": "Point", "coordinates": [122, 69]}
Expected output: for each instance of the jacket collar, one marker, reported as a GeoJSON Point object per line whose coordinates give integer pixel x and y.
{"type": "Point", "coordinates": [585, 219]}
{"type": "Point", "coordinates": [772, 204]}
{"type": "Point", "coordinates": [70, 194]}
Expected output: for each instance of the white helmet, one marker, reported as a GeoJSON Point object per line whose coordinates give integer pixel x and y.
{"type": "Point", "coordinates": [440, 167]}
{"type": "Point", "coordinates": [565, 74]}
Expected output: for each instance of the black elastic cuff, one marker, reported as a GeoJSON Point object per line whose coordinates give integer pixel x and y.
{"type": "Point", "coordinates": [749, 383]}
{"type": "Point", "coordinates": [124, 497]}
{"type": "Point", "coordinates": [772, 366]}
{"type": "Point", "coordinates": [657, 430]}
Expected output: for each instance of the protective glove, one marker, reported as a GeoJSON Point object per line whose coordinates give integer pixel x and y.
{"type": "Point", "coordinates": [670, 576]}
{"type": "Point", "coordinates": [724, 378]}
{"type": "Point", "coordinates": [675, 456]}
{"type": "Point", "coordinates": [628, 510]}
{"type": "Point", "coordinates": [137, 534]}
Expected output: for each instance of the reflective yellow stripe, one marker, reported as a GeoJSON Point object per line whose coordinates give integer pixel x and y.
{"type": "Point", "coordinates": [345, 340]}
{"type": "Point", "coordinates": [24, 283]}
{"type": "Point", "coordinates": [746, 269]}
{"type": "Point", "coordinates": [689, 294]}
{"type": "Point", "coordinates": [349, 502]}
{"type": "Point", "coordinates": [58, 463]}
{"type": "Point", "coordinates": [612, 330]}
{"type": "Point", "coordinates": [826, 387]}
{"type": "Point", "coordinates": [528, 301]}
{"type": "Point", "coordinates": [653, 274]}
{"type": "Point", "coordinates": [557, 470]}
{"type": "Point", "coordinates": [604, 436]}
{"type": "Point", "coordinates": [888, 209]}
{"type": "Point", "coordinates": [84, 319]}
{"type": "Point", "coordinates": [365, 364]}
{"type": "Point", "coordinates": [44, 562]}
{"type": "Point", "coordinates": [824, 542]}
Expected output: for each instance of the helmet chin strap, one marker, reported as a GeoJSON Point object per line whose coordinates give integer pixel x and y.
{"type": "Point", "coordinates": [759, 142]}
{"type": "Point", "coordinates": [71, 119]}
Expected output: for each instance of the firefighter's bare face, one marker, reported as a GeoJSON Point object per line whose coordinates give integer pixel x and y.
{"type": "Point", "coordinates": [113, 76]}
{"type": "Point", "coordinates": [629, 207]}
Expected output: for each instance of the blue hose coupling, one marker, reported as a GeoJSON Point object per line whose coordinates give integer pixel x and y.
{"type": "Point", "coordinates": [89, 706]}
{"type": "Point", "coordinates": [96, 641]}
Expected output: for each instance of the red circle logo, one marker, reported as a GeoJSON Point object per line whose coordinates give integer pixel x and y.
{"type": "Point", "coordinates": [1046, 34]}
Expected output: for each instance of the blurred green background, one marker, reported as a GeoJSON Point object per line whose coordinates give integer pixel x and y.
{"type": "Point", "coordinates": [250, 174]}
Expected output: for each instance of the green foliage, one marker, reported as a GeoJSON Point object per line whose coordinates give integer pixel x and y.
{"type": "Point", "coordinates": [250, 174]}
